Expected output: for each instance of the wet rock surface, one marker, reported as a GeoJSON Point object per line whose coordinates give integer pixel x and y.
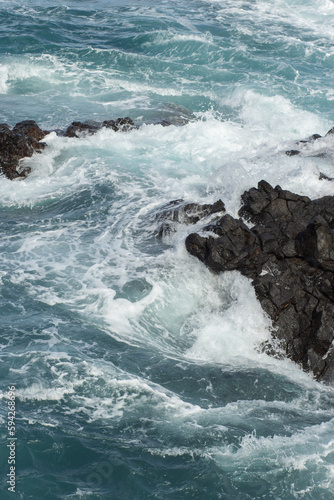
{"type": "Point", "coordinates": [289, 254]}
{"type": "Point", "coordinates": [19, 142]}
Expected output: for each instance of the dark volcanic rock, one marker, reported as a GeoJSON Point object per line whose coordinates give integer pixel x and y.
{"type": "Point", "coordinates": [30, 129]}
{"type": "Point", "coordinates": [324, 177]}
{"type": "Point", "coordinates": [123, 124]}
{"type": "Point", "coordinates": [17, 143]}
{"type": "Point", "coordinates": [79, 129]}
{"type": "Point", "coordinates": [292, 152]}
{"type": "Point", "coordinates": [289, 255]}
{"type": "Point", "coordinates": [235, 246]}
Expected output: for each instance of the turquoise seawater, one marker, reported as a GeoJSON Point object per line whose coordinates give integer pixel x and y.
{"type": "Point", "coordinates": [138, 372]}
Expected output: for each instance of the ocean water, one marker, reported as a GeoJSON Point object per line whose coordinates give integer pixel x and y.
{"type": "Point", "coordinates": [138, 372]}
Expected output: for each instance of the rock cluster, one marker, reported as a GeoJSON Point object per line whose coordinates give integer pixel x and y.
{"type": "Point", "coordinates": [78, 129]}
{"type": "Point", "coordinates": [288, 252]}
{"type": "Point", "coordinates": [24, 139]}
{"type": "Point", "coordinates": [17, 143]}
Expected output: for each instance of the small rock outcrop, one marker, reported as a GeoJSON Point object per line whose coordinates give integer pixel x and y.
{"type": "Point", "coordinates": [289, 254]}
{"type": "Point", "coordinates": [19, 142]}
{"type": "Point", "coordinates": [79, 129]}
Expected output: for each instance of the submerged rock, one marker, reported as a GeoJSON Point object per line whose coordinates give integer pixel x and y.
{"type": "Point", "coordinates": [289, 255]}
{"type": "Point", "coordinates": [179, 212]}
{"type": "Point", "coordinates": [19, 142]}
{"type": "Point", "coordinates": [324, 177]}
{"type": "Point", "coordinates": [312, 146]}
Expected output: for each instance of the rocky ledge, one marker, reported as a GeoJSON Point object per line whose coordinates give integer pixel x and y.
{"type": "Point", "coordinates": [23, 140]}
{"type": "Point", "coordinates": [287, 250]}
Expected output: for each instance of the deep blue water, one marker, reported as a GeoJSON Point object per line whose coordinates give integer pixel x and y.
{"type": "Point", "coordinates": [138, 373]}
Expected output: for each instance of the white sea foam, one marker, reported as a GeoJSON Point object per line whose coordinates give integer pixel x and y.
{"type": "Point", "coordinates": [284, 454]}
{"type": "Point", "coordinates": [202, 161]}
{"type": "Point", "coordinates": [170, 37]}
{"type": "Point", "coordinates": [39, 393]}
{"type": "Point", "coordinates": [297, 14]}
{"type": "Point", "coordinates": [47, 69]}
{"type": "Point", "coordinates": [211, 319]}
{"type": "Point", "coordinates": [3, 79]}
{"type": "Point", "coordinates": [221, 335]}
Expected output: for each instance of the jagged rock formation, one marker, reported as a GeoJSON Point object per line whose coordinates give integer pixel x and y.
{"type": "Point", "coordinates": [289, 255]}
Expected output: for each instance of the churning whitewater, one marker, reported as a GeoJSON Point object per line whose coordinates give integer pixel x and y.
{"type": "Point", "coordinates": [138, 372]}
